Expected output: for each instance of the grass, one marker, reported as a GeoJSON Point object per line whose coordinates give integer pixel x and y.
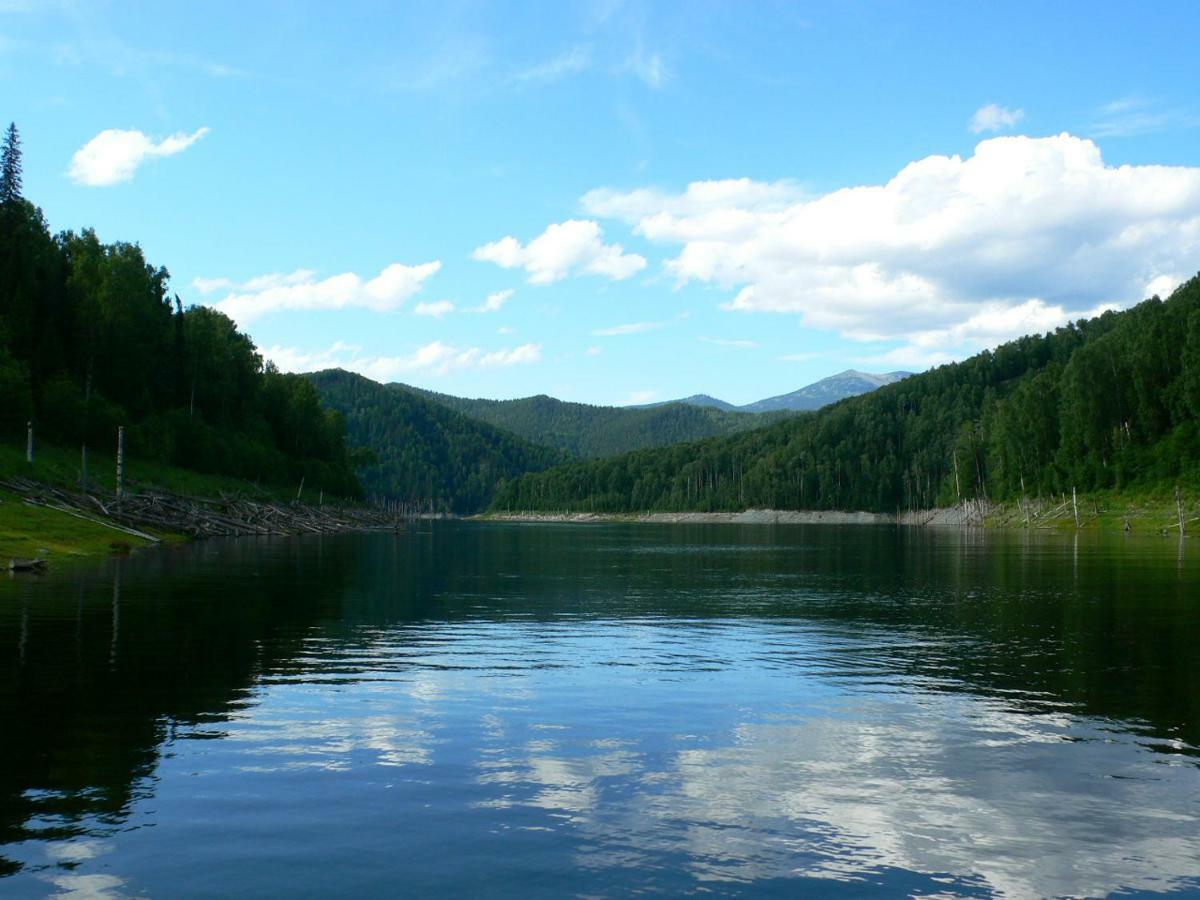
{"type": "Point", "coordinates": [1151, 511]}
{"type": "Point", "coordinates": [35, 532]}
{"type": "Point", "coordinates": [60, 467]}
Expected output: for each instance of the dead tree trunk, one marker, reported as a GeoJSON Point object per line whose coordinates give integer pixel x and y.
{"type": "Point", "coordinates": [120, 462]}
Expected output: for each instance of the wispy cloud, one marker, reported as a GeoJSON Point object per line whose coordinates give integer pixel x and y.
{"type": "Point", "coordinates": [1131, 116]}
{"type": "Point", "coordinates": [730, 342]}
{"type": "Point", "coordinates": [630, 328]}
{"type": "Point", "coordinates": [113, 156]}
{"type": "Point", "coordinates": [436, 358]}
{"type": "Point", "coordinates": [460, 61]}
{"type": "Point", "coordinates": [994, 117]}
{"type": "Point", "coordinates": [639, 397]}
{"type": "Point", "coordinates": [570, 62]}
{"type": "Point", "coordinates": [301, 290]}
{"type": "Point", "coordinates": [495, 301]}
{"type": "Point", "coordinates": [649, 67]}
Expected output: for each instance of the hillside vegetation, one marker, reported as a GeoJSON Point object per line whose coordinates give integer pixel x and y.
{"type": "Point", "coordinates": [587, 431]}
{"type": "Point", "coordinates": [425, 454]}
{"type": "Point", "coordinates": [1107, 403]}
{"type": "Point", "coordinates": [91, 338]}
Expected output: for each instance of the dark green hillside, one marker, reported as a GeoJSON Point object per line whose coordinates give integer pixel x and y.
{"type": "Point", "coordinates": [1111, 402]}
{"type": "Point", "coordinates": [426, 454]}
{"type": "Point", "coordinates": [596, 431]}
{"type": "Point", "coordinates": [91, 338]}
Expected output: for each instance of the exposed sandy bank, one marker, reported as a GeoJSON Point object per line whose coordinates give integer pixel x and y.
{"type": "Point", "coordinates": [953, 517]}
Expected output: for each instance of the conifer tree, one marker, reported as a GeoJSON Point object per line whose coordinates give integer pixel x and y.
{"type": "Point", "coordinates": [10, 166]}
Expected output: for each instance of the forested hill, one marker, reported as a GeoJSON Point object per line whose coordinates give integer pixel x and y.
{"type": "Point", "coordinates": [90, 339]}
{"type": "Point", "coordinates": [426, 454]}
{"type": "Point", "coordinates": [1108, 402]}
{"type": "Point", "coordinates": [595, 431]}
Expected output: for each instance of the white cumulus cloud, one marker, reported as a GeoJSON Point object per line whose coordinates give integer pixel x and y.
{"type": "Point", "coordinates": [701, 199]}
{"type": "Point", "coordinates": [994, 117]}
{"type": "Point", "coordinates": [436, 310]}
{"type": "Point", "coordinates": [992, 325]}
{"type": "Point", "coordinates": [302, 290]}
{"type": "Point", "coordinates": [436, 358]}
{"type": "Point", "coordinates": [573, 247]}
{"type": "Point", "coordinates": [1026, 232]}
{"type": "Point", "coordinates": [114, 155]}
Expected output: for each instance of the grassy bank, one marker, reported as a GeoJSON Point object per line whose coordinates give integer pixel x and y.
{"type": "Point", "coordinates": [36, 532]}
{"type": "Point", "coordinates": [61, 467]}
{"type": "Point", "coordinates": [32, 532]}
{"type": "Point", "coordinates": [1141, 512]}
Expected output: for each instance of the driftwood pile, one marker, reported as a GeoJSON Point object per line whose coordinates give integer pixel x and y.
{"type": "Point", "coordinates": [229, 515]}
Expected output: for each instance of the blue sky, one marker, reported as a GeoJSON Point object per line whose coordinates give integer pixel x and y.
{"type": "Point", "coordinates": [660, 199]}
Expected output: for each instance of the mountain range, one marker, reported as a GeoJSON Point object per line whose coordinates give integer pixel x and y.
{"type": "Point", "coordinates": [1107, 403]}
{"type": "Point", "coordinates": [453, 452]}
{"type": "Point", "coordinates": [850, 383]}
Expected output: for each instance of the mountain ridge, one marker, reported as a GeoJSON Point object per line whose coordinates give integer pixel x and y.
{"type": "Point", "coordinates": [1103, 403]}
{"type": "Point", "coordinates": [591, 431]}
{"type": "Point", "coordinates": [831, 389]}
{"type": "Point", "coordinates": [850, 383]}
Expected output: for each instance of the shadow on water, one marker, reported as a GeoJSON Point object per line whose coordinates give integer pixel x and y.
{"type": "Point", "coordinates": [100, 667]}
{"type": "Point", "coordinates": [103, 669]}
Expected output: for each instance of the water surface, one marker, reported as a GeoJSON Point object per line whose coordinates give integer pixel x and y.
{"type": "Point", "coordinates": [548, 710]}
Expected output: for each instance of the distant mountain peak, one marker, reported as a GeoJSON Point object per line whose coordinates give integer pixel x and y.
{"type": "Point", "coordinates": [707, 401]}
{"type": "Point", "coordinates": [849, 383]}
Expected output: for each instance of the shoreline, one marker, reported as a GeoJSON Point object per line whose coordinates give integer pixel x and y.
{"type": "Point", "coordinates": [41, 522]}
{"type": "Point", "coordinates": [950, 517]}
{"type": "Point", "coordinates": [1145, 515]}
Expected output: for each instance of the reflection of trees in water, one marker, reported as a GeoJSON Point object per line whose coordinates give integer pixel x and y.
{"type": "Point", "coordinates": [103, 664]}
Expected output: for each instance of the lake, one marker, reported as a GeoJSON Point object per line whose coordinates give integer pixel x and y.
{"type": "Point", "coordinates": [497, 710]}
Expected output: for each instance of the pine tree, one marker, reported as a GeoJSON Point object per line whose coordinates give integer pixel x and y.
{"type": "Point", "coordinates": [10, 166]}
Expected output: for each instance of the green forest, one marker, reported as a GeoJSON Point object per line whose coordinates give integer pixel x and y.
{"type": "Point", "coordinates": [91, 338]}
{"type": "Point", "coordinates": [1107, 403]}
{"type": "Point", "coordinates": [591, 432]}
{"type": "Point", "coordinates": [421, 453]}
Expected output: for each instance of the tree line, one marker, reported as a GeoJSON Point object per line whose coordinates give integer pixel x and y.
{"type": "Point", "coordinates": [421, 453]}
{"type": "Point", "coordinates": [1110, 402]}
{"type": "Point", "coordinates": [92, 338]}
{"type": "Point", "coordinates": [591, 432]}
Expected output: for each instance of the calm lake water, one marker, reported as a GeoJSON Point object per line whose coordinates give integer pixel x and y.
{"type": "Point", "coordinates": [542, 710]}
